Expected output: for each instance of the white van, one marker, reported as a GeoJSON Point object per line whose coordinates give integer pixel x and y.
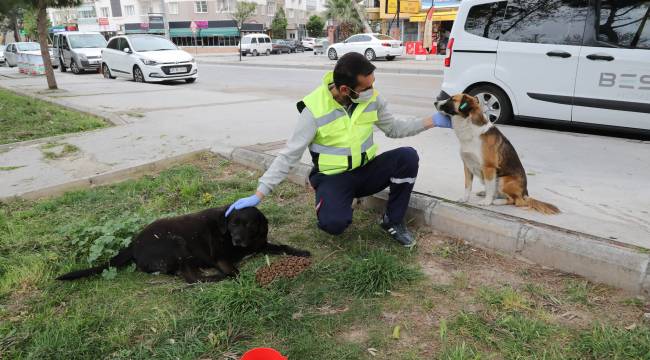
{"type": "Point", "coordinates": [256, 44]}
{"type": "Point", "coordinates": [575, 61]}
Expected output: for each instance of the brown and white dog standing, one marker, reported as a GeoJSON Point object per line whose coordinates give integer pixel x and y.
{"type": "Point", "coordinates": [488, 155]}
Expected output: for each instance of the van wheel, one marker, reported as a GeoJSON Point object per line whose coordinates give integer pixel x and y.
{"type": "Point", "coordinates": [495, 103]}
{"type": "Point", "coordinates": [390, 58]}
{"type": "Point", "coordinates": [268, 52]}
{"type": "Point", "coordinates": [62, 65]}
{"type": "Point", "coordinates": [74, 67]}
{"type": "Point", "coordinates": [370, 54]}
{"type": "Point", "coordinates": [331, 54]}
{"type": "Point", "coordinates": [255, 53]}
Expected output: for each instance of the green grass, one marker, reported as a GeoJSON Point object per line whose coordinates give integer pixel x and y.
{"type": "Point", "coordinates": [355, 282]}
{"type": "Point", "coordinates": [23, 118]}
{"type": "Point", "coordinates": [143, 316]}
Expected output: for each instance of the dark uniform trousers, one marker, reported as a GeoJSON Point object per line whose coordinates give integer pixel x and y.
{"type": "Point", "coordinates": [396, 169]}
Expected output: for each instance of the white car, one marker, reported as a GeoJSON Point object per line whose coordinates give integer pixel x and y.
{"type": "Point", "coordinates": [572, 62]}
{"type": "Point", "coordinates": [308, 43]}
{"type": "Point", "coordinates": [2, 54]}
{"type": "Point", "coordinates": [372, 46]}
{"type": "Point", "coordinates": [13, 51]}
{"type": "Point", "coordinates": [147, 58]}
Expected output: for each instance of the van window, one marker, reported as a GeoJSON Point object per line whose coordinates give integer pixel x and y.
{"type": "Point", "coordinates": [78, 41]}
{"type": "Point", "coordinates": [625, 24]}
{"type": "Point", "coordinates": [485, 19]}
{"type": "Point", "coordinates": [253, 40]}
{"type": "Point", "coordinates": [545, 21]}
{"type": "Point", "coordinates": [267, 40]}
{"type": "Point", "coordinates": [113, 44]}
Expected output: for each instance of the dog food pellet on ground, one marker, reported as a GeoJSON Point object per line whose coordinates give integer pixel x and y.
{"type": "Point", "coordinates": [288, 267]}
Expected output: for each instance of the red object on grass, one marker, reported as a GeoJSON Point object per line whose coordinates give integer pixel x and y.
{"type": "Point", "coordinates": [263, 354]}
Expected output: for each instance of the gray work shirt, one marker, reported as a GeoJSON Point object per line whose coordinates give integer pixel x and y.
{"type": "Point", "coordinates": [305, 132]}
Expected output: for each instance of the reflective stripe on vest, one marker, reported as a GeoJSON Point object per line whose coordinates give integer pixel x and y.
{"type": "Point", "coordinates": [332, 150]}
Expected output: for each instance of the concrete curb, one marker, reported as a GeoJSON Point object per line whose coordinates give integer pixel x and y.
{"type": "Point", "coordinates": [109, 177]}
{"type": "Point", "coordinates": [323, 67]}
{"type": "Point", "coordinates": [111, 118]}
{"type": "Point", "coordinates": [597, 259]}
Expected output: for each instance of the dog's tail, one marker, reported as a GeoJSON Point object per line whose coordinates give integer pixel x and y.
{"type": "Point", "coordinates": [540, 206]}
{"type": "Point", "coordinates": [124, 257]}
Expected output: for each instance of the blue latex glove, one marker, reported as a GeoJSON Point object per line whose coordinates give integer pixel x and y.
{"type": "Point", "coordinates": [442, 120]}
{"type": "Point", "coordinates": [250, 201]}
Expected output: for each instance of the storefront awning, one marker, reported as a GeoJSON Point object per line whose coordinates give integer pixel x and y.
{"type": "Point", "coordinates": [440, 15]}
{"type": "Point", "coordinates": [223, 31]}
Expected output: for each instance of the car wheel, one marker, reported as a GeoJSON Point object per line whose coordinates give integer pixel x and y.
{"type": "Point", "coordinates": [190, 80]}
{"type": "Point", "coordinates": [331, 54]}
{"type": "Point", "coordinates": [255, 53]}
{"type": "Point", "coordinates": [106, 72]}
{"type": "Point", "coordinates": [495, 103]}
{"type": "Point", "coordinates": [268, 52]}
{"type": "Point", "coordinates": [138, 76]}
{"type": "Point", "coordinates": [74, 67]}
{"type": "Point", "coordinates": [370, 54]}
{"type": "Point", "coordinates": [390, 58]}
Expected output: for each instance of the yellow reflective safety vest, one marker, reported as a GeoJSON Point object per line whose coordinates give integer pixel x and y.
{"type": "Point", "coordinates": [342, 142]}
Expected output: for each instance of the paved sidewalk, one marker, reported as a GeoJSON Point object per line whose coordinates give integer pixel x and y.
{"type": "Point", "coordinates": [599, 183]}
{"type": "Point", "coordinates": [307, 60]}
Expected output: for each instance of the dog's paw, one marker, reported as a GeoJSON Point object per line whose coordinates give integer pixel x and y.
{"type": "Point", "coordinates": [485, 202]}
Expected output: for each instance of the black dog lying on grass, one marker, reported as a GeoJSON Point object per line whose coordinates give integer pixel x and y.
{"type": "Point", "coordinates": [186, 244]}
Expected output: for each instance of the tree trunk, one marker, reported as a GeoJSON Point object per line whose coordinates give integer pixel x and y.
{"type": "Point", "coordinates": [14, 26]}
{"type": "Point", "coordinates": [42, 39]}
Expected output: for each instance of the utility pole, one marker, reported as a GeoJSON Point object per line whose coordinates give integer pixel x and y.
{"type": "Point", "coordinates": [399, 32]}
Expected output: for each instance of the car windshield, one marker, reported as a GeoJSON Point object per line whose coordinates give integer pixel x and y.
{"type": "Point", "coordinates": [383, 37]}
{"type": "Point", "coordinates": [31, 46]}
{"type": "Point", "coordinates": [78, 41]}
{"type": "Point", "coordinates": [151, 43]}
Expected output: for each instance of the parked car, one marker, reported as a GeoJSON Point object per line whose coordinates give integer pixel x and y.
{"type": "Point", "coordinates": [13, 50]}
{"type": "Point", "coordinates": [372, 46]}
{"type": "Point", "coordinates": [295, 45]}
{"type": "Point", "coordinates": [256, 44]}
{"type": "Point", "coordinates": [577, 63]}
{"type": "Point", "coordinates": [280, 47]}
{"type": "Point", "coordinates": [2, 54]}
{"type": "Point", "coordinates": [321, 45]}
{"type": "Point", "coordinates": [79, 51]}
{"type": "Point", "coordinates": [308, 43]}
{"type": "Point", "coordinates": [147, 58]}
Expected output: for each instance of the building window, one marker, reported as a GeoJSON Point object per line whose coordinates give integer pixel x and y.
{"type": "Point", "coordinates": [223, 5]}
{"type": "Point", "coordinates": [85, 14]}
{"type": "Point", "coordinates": [263, 10]}
{"type": "Point", "coordinates": [129, 10]}
{"type": "Point", "coordinates": [104, 11]}
{"type": "Point", "coordinates": [172, 8]}
{"type": "Point", "coordinates": [270, 8]}
{"type": "Point", "coordinates": [201, 6]}
{"type": "Point", "coordinates": [291, 13]}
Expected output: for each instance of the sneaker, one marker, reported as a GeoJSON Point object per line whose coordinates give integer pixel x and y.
{"type": "Point", "coordinates": [398, 232]}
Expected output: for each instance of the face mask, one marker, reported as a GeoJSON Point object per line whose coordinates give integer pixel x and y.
{"type": "Point", "coordinates": [363, 96]}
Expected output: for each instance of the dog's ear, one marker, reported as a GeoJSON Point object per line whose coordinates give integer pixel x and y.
{"type": "Point", "coordinates": [221, 221]}
{"type": "Point", "coordinates": [263, 229]}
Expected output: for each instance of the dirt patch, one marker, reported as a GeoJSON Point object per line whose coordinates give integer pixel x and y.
{"type": "Point", "coordinates": [356, 336]}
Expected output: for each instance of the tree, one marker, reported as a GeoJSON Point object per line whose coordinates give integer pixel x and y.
{"type": "Point", "coordinates": [10, 12]}
{"type": "Point", "coordinates": [315, 26]}
{"type": "Point", "coordinates": [243, 12]}
{"type": "Point", "coordinates": [30, 23]}
{"type": "Point", "coordinates": [279, 24]}
{"type": "Point", "coordinates": [346, 16]}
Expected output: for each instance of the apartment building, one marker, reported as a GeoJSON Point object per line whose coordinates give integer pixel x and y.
{"type": "Point", "coordinates": [213, 18]}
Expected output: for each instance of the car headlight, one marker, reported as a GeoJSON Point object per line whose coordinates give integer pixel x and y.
{"type": "Point", "coordinates": [148, 62]}
{"type": "Point", "coordinates": [82, 57]}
